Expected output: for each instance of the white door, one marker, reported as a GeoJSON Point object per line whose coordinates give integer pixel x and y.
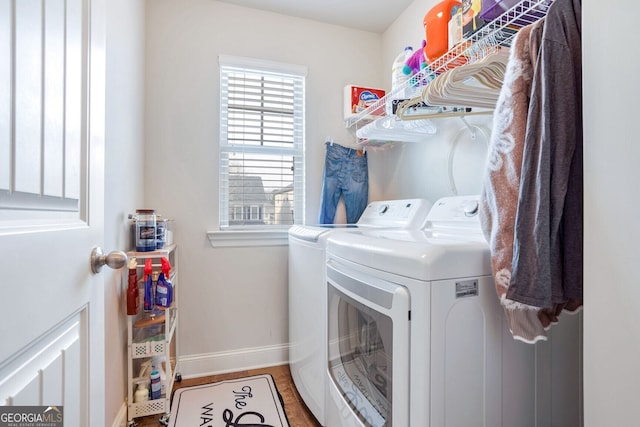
{"type": "Point", "coordinates": [51, 205]}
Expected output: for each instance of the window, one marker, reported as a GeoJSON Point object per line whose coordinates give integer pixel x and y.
{"type": "Point", "coordinates": [261, 144]}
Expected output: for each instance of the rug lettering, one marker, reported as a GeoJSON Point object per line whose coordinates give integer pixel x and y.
{"type": "Point", "coordinates": [244, 402]}
{"type": "Point", "coordinates": [227, 416]}
{"type": "Point", "coordinates": [207, 414]}
{"type": "Point", "coordinates": [240, 396]}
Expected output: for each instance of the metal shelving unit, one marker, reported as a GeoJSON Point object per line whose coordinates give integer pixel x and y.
{"type": "Point", "coordinates": [497, 33]}
{"type": "Point", "coordinates": [153, 335]}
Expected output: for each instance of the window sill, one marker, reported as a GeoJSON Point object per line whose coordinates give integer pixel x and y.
{"type": "Point", "coordinates": [248, 238]}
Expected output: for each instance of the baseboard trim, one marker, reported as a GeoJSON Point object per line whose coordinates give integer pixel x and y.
{"type": "Point", "coordinates": [200, 365]}
{"type": "Point", "coordinates": [121, 417]}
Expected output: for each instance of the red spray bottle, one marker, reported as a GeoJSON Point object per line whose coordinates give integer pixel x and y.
{"type": "Point", "coordinates": [132, 288]}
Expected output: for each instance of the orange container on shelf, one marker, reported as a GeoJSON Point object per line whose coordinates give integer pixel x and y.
{"type": "Point", "coordinates": [436, 28]}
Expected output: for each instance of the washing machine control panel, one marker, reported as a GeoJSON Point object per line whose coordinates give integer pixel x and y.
{"type": "Point", "coordinates": [406, 213]}
{"type": "Point", "coordinates": [455, 218]}
{"type": "Point", "coordinates": [383, 209]}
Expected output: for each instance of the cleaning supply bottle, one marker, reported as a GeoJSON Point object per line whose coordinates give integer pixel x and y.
{"type": "Point", "coordinates": [398, 78]}
{"type": "Point", "coordinates": [141, 394]}
{"type": "Point", "coordinates": [156, 386]}
{"type": "Point", "coordinates": [164, 288]}
{"type": "Point", "coordinates": [132, 288]}
{"type": "Point", "coordinates": [148, 285]}
{"type": "Point", "coordinates": [436, 28]}
{"type": "Point", "coordinates": [158, 362]}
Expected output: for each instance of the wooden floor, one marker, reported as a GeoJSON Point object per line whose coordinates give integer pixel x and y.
{"type": "Point", "coordinates": [297, 412]}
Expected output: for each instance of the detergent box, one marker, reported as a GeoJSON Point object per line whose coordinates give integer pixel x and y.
{"type": "Point", "coordinates": [358, 99]}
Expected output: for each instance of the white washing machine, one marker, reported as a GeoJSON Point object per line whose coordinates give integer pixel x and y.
{"type": "Point", "coordinates": [417, 337]}
{"type": "Point", "coordinates": [307, 290]}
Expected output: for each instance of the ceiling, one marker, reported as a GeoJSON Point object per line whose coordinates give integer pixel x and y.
{"type": "Point", "coordinates": [368, 15]}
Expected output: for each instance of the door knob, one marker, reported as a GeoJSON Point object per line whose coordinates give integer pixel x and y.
{"type": "Point", "coordinates": [115, 259]}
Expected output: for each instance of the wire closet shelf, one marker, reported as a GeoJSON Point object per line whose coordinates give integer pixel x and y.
{"type": "Point", "coordinates": [494, 35]}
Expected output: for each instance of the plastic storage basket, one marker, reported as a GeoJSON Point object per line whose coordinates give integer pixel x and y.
{"type": "Point", "coordinates": [491, 9]}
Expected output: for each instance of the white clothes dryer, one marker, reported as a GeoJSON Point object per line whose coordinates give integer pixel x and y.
{"type": "Point", "coordinates": [417, 337]}
{"type": "Point", "coordinates": [307, 290]}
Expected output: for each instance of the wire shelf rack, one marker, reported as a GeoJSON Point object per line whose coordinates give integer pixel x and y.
{"type": "Point", "coordinates": [494, 35]}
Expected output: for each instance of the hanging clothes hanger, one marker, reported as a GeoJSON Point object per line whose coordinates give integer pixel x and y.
{"type": "Point", "coordinates": [403, 130]}
{"type": "Point", "coordinates": [474, 84]}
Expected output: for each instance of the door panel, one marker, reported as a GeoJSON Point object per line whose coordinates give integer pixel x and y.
{"type": "Point", "coordinates": [44, 104]}
{"type": "Point", "coordinates": [51, 205]}
{"type": "Point", "coordinates": [5, 91]}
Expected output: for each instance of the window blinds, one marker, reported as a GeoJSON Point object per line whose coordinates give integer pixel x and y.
{"type": "Point", "coordinates": [261, 145]}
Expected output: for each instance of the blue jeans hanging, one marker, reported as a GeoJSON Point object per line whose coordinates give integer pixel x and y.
{"type": "Point", "coordinates": [345, 174]}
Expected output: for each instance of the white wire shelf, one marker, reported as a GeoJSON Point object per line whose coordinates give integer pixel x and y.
{"type": "Point", "coordinates": [494, 35]}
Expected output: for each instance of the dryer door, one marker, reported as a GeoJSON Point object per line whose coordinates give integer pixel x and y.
{"type": "Point", "coordinates": [368, 333]}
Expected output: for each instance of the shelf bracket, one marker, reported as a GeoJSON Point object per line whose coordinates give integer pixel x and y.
{"type": "Point", "coordinates": [472, 129]}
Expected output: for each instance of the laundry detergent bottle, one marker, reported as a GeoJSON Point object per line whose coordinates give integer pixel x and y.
{"type": "Point", "coordinates": [436, 28]}
{"type": "Point", "coordinates": [398, 78]}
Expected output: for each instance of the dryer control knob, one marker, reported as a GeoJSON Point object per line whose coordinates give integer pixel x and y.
{"type": "Point", "coordinates": [383, 209]}
{"type": "Point", "coordinates": [470, 208]}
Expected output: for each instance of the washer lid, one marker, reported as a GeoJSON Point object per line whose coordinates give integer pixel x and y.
{"type": "Point", "coordinates": [312, 233]}
{"type": "Point", "coordinates": [405, 213]}
{"type": "Point", "coordinates": [415, 254]}
{"type": "Point", "coordinates": [450, 246]}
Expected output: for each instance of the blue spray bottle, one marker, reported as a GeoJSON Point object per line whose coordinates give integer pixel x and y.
{"type": "Point", "coordinates": [148, 285]}
{"type": "Point", "coordinates": [164, 288]}
{"type": "Point", "coordinates": [156, 386]}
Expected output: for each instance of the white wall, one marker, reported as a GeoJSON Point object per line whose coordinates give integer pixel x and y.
{"type": "Point", "coordinates": [422, 169]}
{"type": "Point", "coordinates": [124, 166]}
{"type": "Point", "coordinates": [234, 299]}
{"type": "Point", "coordinates": [611, 153]}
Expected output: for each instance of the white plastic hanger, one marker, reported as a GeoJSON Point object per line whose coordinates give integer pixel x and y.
{"type": "Point", "coordinates": [405, 131]}
{"type": "Point", "coordinates": [476, 84]}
